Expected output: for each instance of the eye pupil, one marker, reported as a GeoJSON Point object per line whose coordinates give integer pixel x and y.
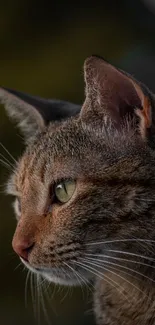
{"type": "Point", "coordinates": [65, 188]}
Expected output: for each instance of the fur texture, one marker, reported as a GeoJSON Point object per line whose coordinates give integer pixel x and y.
{"type": "Point", "coordinates": [106, 232]}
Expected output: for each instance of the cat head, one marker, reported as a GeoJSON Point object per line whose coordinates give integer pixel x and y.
{"type": "Point", "coordinates": [86, 182]}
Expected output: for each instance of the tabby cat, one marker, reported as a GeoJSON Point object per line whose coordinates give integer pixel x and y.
{"type": "Point", "coordinates": [85, 192]}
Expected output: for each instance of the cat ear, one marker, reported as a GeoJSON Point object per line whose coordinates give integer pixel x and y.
{"type": "Point", "coordinates": [112, 94]}
{"type": "Point", "coordinates": [33, 113]}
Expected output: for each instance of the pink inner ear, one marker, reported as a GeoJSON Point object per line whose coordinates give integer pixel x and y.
{"type": "Point", "coordinates": [109, 90]}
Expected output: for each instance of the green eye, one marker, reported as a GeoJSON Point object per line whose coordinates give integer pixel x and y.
{"type": "Point", "coordinates": [64, 190]}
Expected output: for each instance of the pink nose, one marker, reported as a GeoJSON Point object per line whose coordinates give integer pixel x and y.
{"type": "Point", "coordinates": [22, 248]}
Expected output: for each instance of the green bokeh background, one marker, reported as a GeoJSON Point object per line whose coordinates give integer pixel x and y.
{"type": "Point", "coordinates": [42, 50]}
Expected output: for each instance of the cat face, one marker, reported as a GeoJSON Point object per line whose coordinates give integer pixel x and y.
{"type": "Point", "coordinates": [86, 180]}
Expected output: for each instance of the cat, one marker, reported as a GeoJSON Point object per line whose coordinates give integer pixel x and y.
{"type": "Point", "coordinates": [85, 192]}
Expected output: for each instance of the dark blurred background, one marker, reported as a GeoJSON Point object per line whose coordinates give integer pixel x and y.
{"type": "Point", "coordinates": [42, 49]}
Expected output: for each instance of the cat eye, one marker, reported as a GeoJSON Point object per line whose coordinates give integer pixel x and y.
{"type": "Point", "coordinates": [64, 190]}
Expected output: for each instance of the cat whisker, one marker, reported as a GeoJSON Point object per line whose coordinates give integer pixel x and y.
{"type": "Point", "coordinates": [44, 308]}
{"type": "Point", "coordinates": [26, 287]}
{"type": "Point", "coordinates": [120, 240]}
{"type": "Point", "coordinates": [66, 294]}
{"type": "Point", "coordinates": [40, 282]}
{"type": "Point", "coordinates": [45, 286]}
{"type": "Point", "coordinates": [9, 154]}
{"type": "Point", "coordinates": [48, 295]}
{"type": "Point", "coordinates": [116, 268]}
{"type": "Point", "coordinates": [120, 259]}
{"type": "Point", "coordinates": [148, 247]}
{"type": "Point", "coordinates": [6, 160]}
{"type": "Point", "coordinates": [131, 254]}
{"type": "Point", "coordinates": [38, 298]}
{"type": "Point", "coordinates": [117, 274]}
{"type": "Point", "coordinates": [89, 286]}
{"type": "Point", "coordinates": [33, 293]}
{"type": "Point", "coordinates": [80, 278]}
{"type": "Point", "coordinates": [54, 290]}
{"type": "Point", "coordinates": [3, 188]}
{"type": "Point", "coordinates": [37, 295]}
{"type": "Point", "coordinates": [20, 264]}
{"type": "Point", "coordinates": [67, 291]}
{"type": "Point", "coordinates": [122, 266]}
{"type": "Point", "coordinates": [103, 276]}
{"type": "Point", "coordinates": [5, 164]}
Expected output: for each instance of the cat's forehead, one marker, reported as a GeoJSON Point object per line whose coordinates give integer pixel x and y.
{"type": "Point", "coordinates": [59, 153]}
{"type": "Point", "coordinates": [48, 152]}
{"type": "Point", "coordinates": [66, 152]}
{"type": "Point", "coordinates": [69, 139]}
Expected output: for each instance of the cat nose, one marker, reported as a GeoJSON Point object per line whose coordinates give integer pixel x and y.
{"type": "Point", "coordinates": [22, 248]}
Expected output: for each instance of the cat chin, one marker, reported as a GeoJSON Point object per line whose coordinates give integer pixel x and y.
{"type": "Point", "coordinates": [62, 281]}
{"type": "Point", "coordinates": [67, 279]}
{"type": "Point", "coordinates": [57, 277]}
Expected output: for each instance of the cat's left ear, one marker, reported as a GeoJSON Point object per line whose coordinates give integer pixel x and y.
{"type": "Point", "coordinates": [33, 113]}
{"type": "Point", "coordinates": [113, 94]}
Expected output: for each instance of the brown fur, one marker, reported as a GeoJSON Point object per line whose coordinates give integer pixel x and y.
{"type": "Point", "coordinates": [108, 150]}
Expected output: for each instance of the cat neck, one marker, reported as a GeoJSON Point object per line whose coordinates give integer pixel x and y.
{"type": "Point", "coordinates": [122, 299]}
